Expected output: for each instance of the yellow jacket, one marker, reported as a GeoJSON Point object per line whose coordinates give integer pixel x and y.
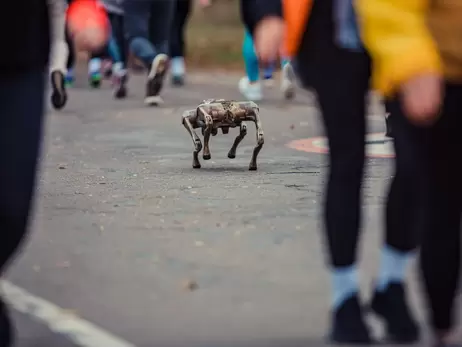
{"type": "Point", "coordinates": [410, 37]}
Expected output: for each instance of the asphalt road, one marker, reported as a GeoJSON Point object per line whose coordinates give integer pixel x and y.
{"type": "Point", "coordinates": [129, 237]}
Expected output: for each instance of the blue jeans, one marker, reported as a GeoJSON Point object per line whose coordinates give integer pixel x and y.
{"type": "Point", "coordinates": [21, 115]}
{"type": "Point", "coordinates": [147, 25]}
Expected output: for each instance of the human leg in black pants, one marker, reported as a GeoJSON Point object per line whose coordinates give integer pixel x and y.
{"type": "Point", "coordinates": [20, 138]}
{"type": "Point", "coordinates": [177, 41]}
{"type": "Point", "coordinates": [440, 253]}
{"type": "Point", "coordinates": [117, 49]}
{"type": "Point", "coordinates": [340, 78]}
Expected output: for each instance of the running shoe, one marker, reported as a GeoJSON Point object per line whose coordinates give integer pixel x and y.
{"type": "Point", "coordinates": [251, 91]}
{"type": "Point", "coordinates": [288, 81]}
{"type": "Point", "coordinates": [155, 81]}
{"type": "Point", "coordinates": [119, 80]}
{"type": "Point", "coordinates": [58, 94]}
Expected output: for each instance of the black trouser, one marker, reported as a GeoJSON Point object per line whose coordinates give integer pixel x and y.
{"type": "Point", "coordinates": [177, 40]}
{"type": "Point", "coordinates": [72, 55]}
{"type": "Point", "coordinates": [438, 161]}
{"type": "Point", "coordinates": [341, 81]}
{"type": "Point", "coordinates": [21, 114]}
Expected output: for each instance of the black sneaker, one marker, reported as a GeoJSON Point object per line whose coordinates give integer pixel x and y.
{"type": "Point", "coordinates": [348, 326]}
{"type": "Point", "coordinates": [389, 131]}
{"type": "Point", "coordinates": [6, 327]}
{"type": "Point", "coordinates": [155, 82]}
{"type": "Point", "coordinates": [120, 85]}
{"type": "Point", "coordinates": [58, 95]}
{"type": "Point", "coordinates": [391, 306]}
{"type": "Point", "coordinates": [178, 80]}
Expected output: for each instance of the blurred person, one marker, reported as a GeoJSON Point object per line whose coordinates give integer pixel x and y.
{"type": "Point", "coordinates": [324, 39]}
{"type": "Point", "coordinates": [23, 75]}
{"type": "Point", "coordinates": [177, 41]}
{"type": "Point", "coordinates": [59, 53]}
{"type": "Point", "coordinates": [148, 24]}
{"type": "Point", "coordinates": [250, 85]}
{"type": "Point", "coordinates": [416, 47]}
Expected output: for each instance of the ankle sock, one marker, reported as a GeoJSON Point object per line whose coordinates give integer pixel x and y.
{"type": "Point", "coordinates": [177, 66]}
{"type": "Point", "coordinates": [345, 284]}
{"type": "Point", "coordinates": [393, 266]}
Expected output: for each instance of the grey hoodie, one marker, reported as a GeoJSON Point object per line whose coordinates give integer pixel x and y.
{"type": "Point", "coordinates": [113, 6]}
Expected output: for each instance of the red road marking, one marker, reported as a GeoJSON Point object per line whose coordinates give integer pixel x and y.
{"type": "Point", "coordinates": [310, 146]}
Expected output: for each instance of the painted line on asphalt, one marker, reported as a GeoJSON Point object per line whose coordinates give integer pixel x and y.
{"type": "Point", "coordinates": [60, 321]}
{"type": "Point", "coordinates": [377, 145]}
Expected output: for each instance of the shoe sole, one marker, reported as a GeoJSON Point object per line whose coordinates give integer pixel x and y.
{"type": "Point", "coordinates": [156, 76]}
{"type": "Point", "coordinates": [59, 95]}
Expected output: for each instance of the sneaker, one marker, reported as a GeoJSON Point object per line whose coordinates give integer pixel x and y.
{"type": "Point", "coordinates": [391, 306]}
{"type": "Point", "coordinates": [287, 82]}
{"type": "Point", "coordinates": [348, 326]}
{"type": "Point", "coordinates": [106, 68]}
{"type": "Point", "coordinates": [178, 80]}
{"type": "Point", "coordinates": [94, 72]}
{"type": "Point", "coordinates": [95, 79]}
{"type": "Point", "coordinates": [389, 131]}
{"type": "Point", "coordinates": [6, 327]}
{"type": "Point", "coordinates": [58, 94]}
{"type": "Point", "coordinates": [251, 91]}
{"type": "Point", "coordinates": [119, 81]}
{"type": "Point", "coordinates": [156, 78]}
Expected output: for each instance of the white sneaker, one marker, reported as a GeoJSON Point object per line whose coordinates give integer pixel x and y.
{"type": "Point", "coordinates": [287, 82]}
{"type": "Point", "coordinates": [155, 81]}
{"type": "Point", "coordinates": [251, 91]}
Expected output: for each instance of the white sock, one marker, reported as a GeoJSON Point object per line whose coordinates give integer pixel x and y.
{"type": "Point", "coordinates": [393, 266]}
{"type": "Point", "coordinates": [345, 284]}
{"type": "Point", "coordinates": [177, 66]}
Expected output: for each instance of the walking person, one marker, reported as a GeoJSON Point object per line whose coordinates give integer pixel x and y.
{"type": "Point", "coordinates": [149, 43]}
{"type": "Point", "coordinates": [323, 37]}
{"type": "Point", "coordinates": [177, 41]}
{"type": "Point", "coordinates": [417, 52]}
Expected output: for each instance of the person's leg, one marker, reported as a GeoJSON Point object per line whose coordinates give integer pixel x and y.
{"type": "Point", "coordinates": [250, 85]}
{"type": "Point", "coordinates": [20, 139]}
{"type": "Point", "coordinates": [70, 59]}
{"type": "Point", "coordinates": [407, 201]}
{"type": "Point", "coordinates": [59, 53]}
{"type": "Point", "coordinates": [341, 80]}
{"type": "Point", "coordinates": [177, 41]}
{"type": "Point", "coordinates": [136, 22]}
{"type": "Point", "coordinates": [440, 252]}
{"type": "Point", "coordinates": [341, 96]}
{"type": "Point", "coordinates": [118, 51]}
{"type": "Point", "coordinates": [161, 12]}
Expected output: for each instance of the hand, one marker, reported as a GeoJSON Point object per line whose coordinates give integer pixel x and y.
{"type": "Point", "coordinates": [205, 3]}
{"type": "Point", "coordinates": [422, 98]}
{"type": "Point", "coordinates": [268, 38]}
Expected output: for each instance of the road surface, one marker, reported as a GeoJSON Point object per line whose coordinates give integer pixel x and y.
{"type": "Point", "coordinates": [153, 253]}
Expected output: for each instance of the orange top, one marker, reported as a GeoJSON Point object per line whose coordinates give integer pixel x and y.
{"type": "Point", "coordinates": [296, 13]}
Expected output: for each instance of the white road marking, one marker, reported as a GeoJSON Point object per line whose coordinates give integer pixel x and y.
{"type": "Point", "coordinates": [60, 321]}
